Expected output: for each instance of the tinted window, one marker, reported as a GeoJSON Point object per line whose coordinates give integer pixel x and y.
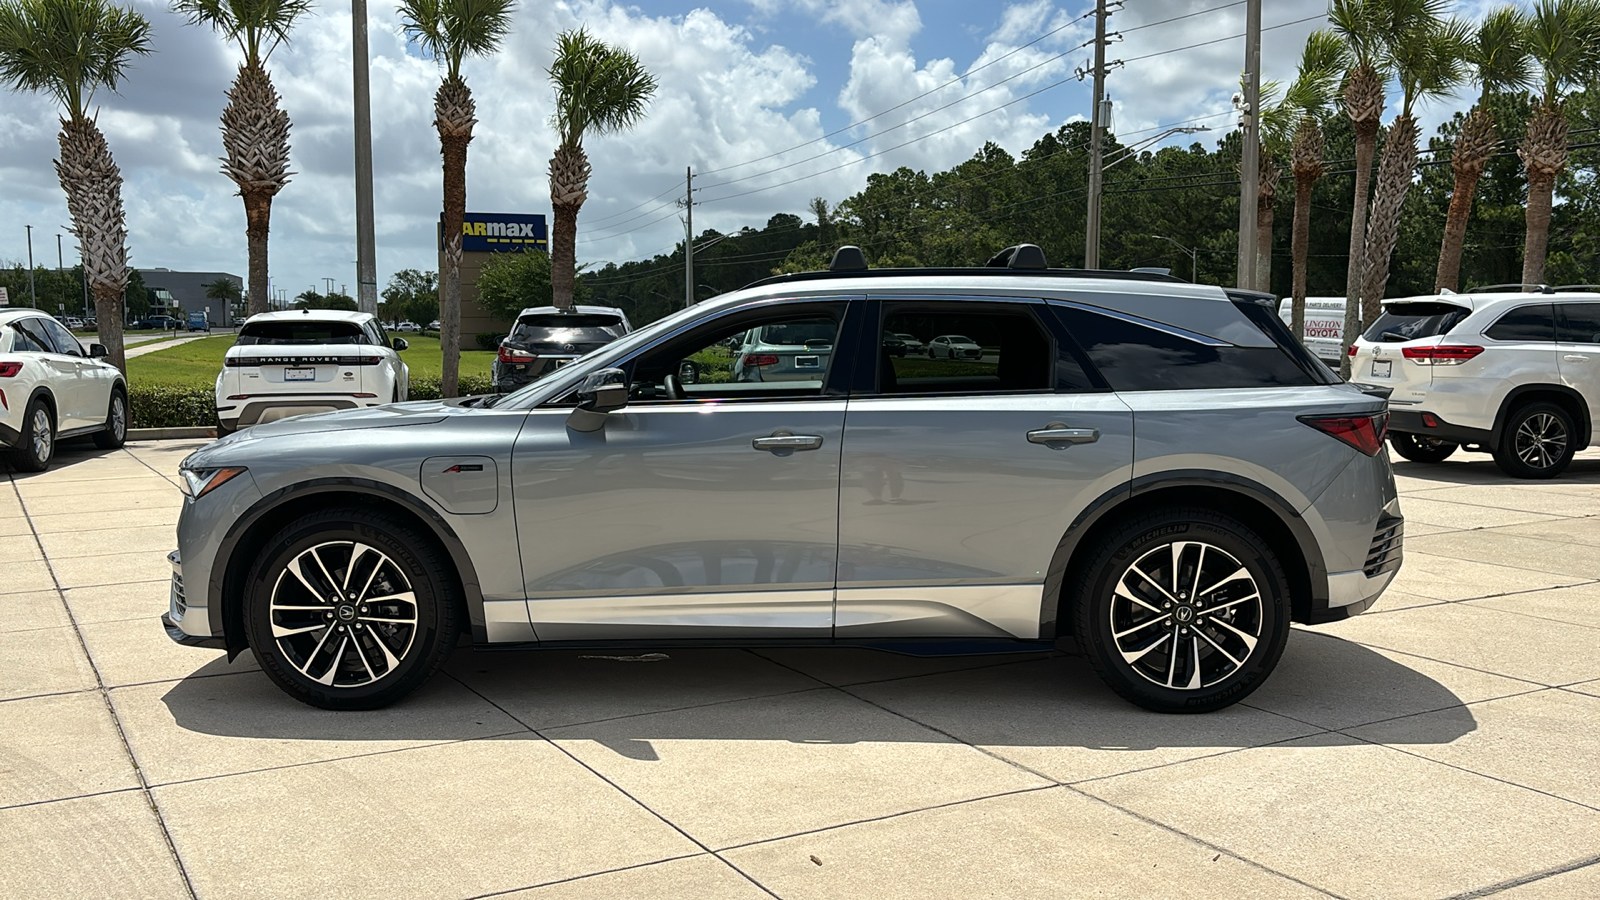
{"type": "Point", "coordinates": [584, 331]}
{"type": "Point", "coordinates": [1412, 321]}
{"type": "Point", "coordinates": [1134, 357]}
{"type": "Point", "coordinates": [1526, 323]}
{"type": "Point", "coordinates": [986, 348]}
{"type": "Point", "coordinates": [29, 337]}
{"type": "Point", "coordinates": [708, 364]}
{"type": "Point", "coordinates": [1579, 323]}
{"type": "Point", "coordinates": [308, 332]}
{"type": "Point", "coordinates": [62, 338]}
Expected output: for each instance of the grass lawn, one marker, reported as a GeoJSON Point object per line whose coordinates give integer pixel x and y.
{"type": "Point", "coordinates": [197, 363]}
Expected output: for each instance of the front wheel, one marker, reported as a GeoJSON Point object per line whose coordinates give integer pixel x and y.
{"type": "Point", "coordinates": [1537, 442]}
{"type": "Point", "coordinates": [1421, 449]}
{"type": "Point", "coordinates": [116, 430]}
{"type": "Point", "coordinates": [1182, 610]}
{"type": "Point", "coordinates": [351, 609]}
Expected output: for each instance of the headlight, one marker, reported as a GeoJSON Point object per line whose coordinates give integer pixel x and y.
{"type": "Point", "coordinates": [199, 482]}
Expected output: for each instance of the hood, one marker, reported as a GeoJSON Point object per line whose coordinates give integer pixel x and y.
{"type": "Point", "coordinates": [393, 415]}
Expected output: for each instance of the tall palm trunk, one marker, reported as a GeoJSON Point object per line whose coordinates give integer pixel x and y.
{"type": "Point", "coordinates": [255, 137]}
{"type": "Point", "coordinates": [1544, 156]}
{"type": "Point", "coordinates": [1474, 145]}
{"type": "Point", "coordinates": [569, 187]}
{"type": "Point", "coordinates": [1266, 207]}
{"type": "Point", "coordinates": [1307, 166]}
{"type": "Point", "coordinates": [1395, 172]}
{"type": "Point", "coordinates": [453, 110]}
{"type": "Point", "coordinates": [93, 184]}
{"type": "Point", "coordinates": [1363, 103]}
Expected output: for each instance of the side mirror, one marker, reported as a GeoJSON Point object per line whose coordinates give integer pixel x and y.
{"type": "Point", "coordinates": [98, 351]}
{"type": "Point", "coordinates": [688, 373]}
{"type": "Point", "coordinates": [601, 392]}
{"type": "Point", "coordinates": [400, 344]}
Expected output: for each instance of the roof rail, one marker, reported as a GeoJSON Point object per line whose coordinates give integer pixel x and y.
{"type": "Point", "coordinates": [848, 258]}
{"type": "Point", "coordinates": [1576, 288]}
{"type": "Point", "coordinates": [1021, 256]}
{"type": "Point", "coordinates": [1021, 259]}
{"type": "Point", "coordinates": [1502, 288]}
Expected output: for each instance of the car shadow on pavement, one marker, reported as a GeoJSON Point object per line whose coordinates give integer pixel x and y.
{"type": "Point", "coordinates": [1478, 469]}
{"type": "Point", "coordinates": [835, 695]}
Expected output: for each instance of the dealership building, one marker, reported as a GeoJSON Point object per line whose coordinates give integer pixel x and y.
{"type": "Point", "coordinates": [482, 236]}
{"type": "Point", "coordinates": [178, 293]}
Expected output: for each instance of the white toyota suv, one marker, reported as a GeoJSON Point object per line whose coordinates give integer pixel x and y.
{"type": "Point", "coordinates": [50, 389]}
{"type": "Point", "coordinates": [1514, 374]}
{"type": "Point", "coordinates": [308, 361]}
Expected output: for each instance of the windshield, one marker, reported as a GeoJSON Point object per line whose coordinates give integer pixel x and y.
{"type": "Point", "coordinates": [958, 339]}
{"type": "Point", "coordinates": [308, 332]}
{"type": "Point", "coordinates": [798, 333]}
{"type": "Point", "coordinates": [1414, 321]}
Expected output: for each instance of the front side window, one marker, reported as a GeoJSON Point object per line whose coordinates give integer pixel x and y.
{"type": "Point", "coordinates": [1536, 323]}
{"type": "Point", "coordinates": [981, 348]}
{"type": "Point", "coordinates": [1578, 323]}
{"type": "Point", "coordinates": [62, 338]}
{"type": "Point", "coordinates": [290, 331]}
{"type": "Point", "coordinates": [785, 353]}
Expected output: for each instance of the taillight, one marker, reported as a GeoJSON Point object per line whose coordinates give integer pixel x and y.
{"type": "Point", "coordinates": [10, 369]}
{"type": "Point", "coordinates": [1365, 433]}
{"type": "Point", "coordinates": [1446, 355]}
{"type": "Point", "coordinates": [1352, 349]}
{"type": "Point", "coordinates": [507, 354]}
{"type": "Point", "coordinates": [756, 360]}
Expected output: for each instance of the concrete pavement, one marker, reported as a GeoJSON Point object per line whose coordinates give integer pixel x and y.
{"type": "Point", "coordinates": [1441, 746]}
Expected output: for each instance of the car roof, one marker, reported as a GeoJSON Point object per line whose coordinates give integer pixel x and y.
{"type": "Point", "coordinates": [1477, 301]}
{"type": "Point", "coordinates": [21, 312]}
{"type": "Point", "coordinates": [311, 315]}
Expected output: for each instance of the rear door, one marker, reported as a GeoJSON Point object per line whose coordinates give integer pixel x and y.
{"type": "Point", "coordinates": [1578, 349]}
{"type": "Point", "coordinates": [959, 477]}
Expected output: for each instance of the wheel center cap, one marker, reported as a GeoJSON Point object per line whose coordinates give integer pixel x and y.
{"type": "Point", "coordinates": [1184, 614]}
{"type": "Point", "coordinates": [345, 612]}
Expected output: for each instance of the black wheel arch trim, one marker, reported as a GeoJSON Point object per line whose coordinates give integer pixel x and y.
{"type": "Point", "coordinates": [1584, 426]}
{"type": "Point", "coordinates": [231, 619]}
{"type": "Point", "coordinates": [1115, 499]}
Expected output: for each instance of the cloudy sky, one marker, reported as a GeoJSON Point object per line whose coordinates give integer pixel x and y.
{"type": "Point", "coordinates": [775, 101]}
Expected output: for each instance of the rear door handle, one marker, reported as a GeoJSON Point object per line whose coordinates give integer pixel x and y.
{"type": "Point", "coordinates": [1573, 357]}
{"type": "Point", "coordinates": [784, 440]}
{"type": "Point", "coordinates": [1061, 433]}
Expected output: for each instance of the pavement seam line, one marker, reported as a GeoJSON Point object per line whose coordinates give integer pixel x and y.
{"type": "Point", "coordinates": [162, 475]}
{"type": "Point", "coordinates": [1493, 889]}
{"type": "Point", "coordinates": [614, 786]}
{"type": "Point", "coordinates": [89, 796]}
{"type": "Point", "coordinates": [111, 710]}
{"type": "Point", "coordinates": [1464, 704]}
{"type": "Point", "coordinates": [545, 884]}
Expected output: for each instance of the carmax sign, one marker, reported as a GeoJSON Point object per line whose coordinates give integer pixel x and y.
{"type": "Point", "coordinates": [500, 233]}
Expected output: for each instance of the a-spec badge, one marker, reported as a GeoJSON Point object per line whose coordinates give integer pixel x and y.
{"type": "Point", "coordinates": [465, 467]}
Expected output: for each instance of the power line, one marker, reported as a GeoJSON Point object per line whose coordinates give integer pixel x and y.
{"type": "Point", "coordinates": [630, 209]}
{"type": "Point", "coordinates": [1184, 16]}
{"type": "Point", "coordinates": [1222, 39]}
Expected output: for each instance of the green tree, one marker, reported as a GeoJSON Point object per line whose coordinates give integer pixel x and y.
{"type": "Point", "coordinates": [599, 89]}
{"type": "Point", "coordinates": [512, 282]}
{"type": "Point", "coordinates": [255, 131]}
{"type": "Point", "coordinates": [1321, 61]}
{"type": "Point", "coordinates": [411, 296]}
{"type": "Point", "coordinates": [450, 31]}
{"type": "Point", "coordinates": [1564, 38]}
{"type": "Point", "coordinates": [227, 290]}
{"type": "Point", "coordinates": [69, 49]}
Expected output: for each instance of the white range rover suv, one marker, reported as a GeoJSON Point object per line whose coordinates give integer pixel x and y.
{"type": "Point", "coordinates": [50, 389]}
{"type": "Point", "coordinates": [308, 361]}
{"type": "Point", "coordinates": [1513, 374]}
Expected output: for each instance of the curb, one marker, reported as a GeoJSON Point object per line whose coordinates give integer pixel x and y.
{"type": "Point", "coordinates": [164, 434]}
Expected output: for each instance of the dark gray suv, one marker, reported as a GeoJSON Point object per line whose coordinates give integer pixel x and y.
{"type": "Point", "coordinates": [1153, 470]}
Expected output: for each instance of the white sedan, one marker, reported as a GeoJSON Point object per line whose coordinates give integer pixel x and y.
{"type": "Point", "coordinates": [954, 346]}
{"type": "Point", "coordinates": [51, 389]}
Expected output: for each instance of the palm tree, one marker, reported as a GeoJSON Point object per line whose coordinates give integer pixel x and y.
{"type": "Point", "coordinates": [599, 89]}
{"type": "Point", "coordinates": [69, 49]}
{"type": "Point", "coordinates": [228, 291]}
{"type": "Point", "coordinates": [1429, 61]}
{"type": "Point", "coordinates": [255, 132]}
{"type": "Point", "coordinates": [1321, 62]}
{"type": "Point", "coordinates": [1497, 59]}
{"type": "Point", "coordinates": [450, 31]}
{"type": "Point", "coordinates": [1564, 38]}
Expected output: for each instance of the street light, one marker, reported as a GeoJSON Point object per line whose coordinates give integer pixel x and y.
{"type": "Point", "coordinates": [1194, 257]}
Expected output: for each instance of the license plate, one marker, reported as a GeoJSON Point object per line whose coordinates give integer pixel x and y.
{"type": "Point", "coordinates": [1382, 367]}
{"type": "Point", "coordinates": [808, 362]}
{"type": "Point", "coordinates": [299, 374]}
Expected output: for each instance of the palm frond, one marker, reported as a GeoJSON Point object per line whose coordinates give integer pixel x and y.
{"type": "Point", "coordinates": [1322, 62]}
{"type": "Point", "coordinates": [257, 26]}
{"type": "Point", "coordinates": [1499, 52]}
{"type": "Point", "coordinates": [69, 48]}
{"type": "Point", "coordinates": [1431, 60]}
{"type": "Point", "coordinates": [451, 31]}
{"type": "Point", "coordinates": [599, 88]}
{"type": "Point", "coordinates": [1564, 38]}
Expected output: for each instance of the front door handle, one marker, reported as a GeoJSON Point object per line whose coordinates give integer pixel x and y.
{"type": "Point", "coordinates": [1060, 433]}
{"type": "Point", "coordinates": [787, 441]}
{"type": "Point", "coordinates": [1573, 357]}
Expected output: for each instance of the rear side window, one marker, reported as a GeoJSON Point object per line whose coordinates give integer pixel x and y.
{"type": "Point", "coordinates": [980, 349]}
{"type": "Point", "coordinates": [310, 332]}
{"type": "Point", "coordinates": [1135, 357]}
{"type": "Point", "coordinates": [1414, 321]}
{"type": "Point", "coordinates": [1526, 323]}
{"type": "Point", "coordinates": [29, 337]}
{"type": "Point", "coordinates": [1578, 323]}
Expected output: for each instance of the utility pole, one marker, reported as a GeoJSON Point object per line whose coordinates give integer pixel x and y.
{"type": "Point", "coordinates": [329, 288]}
{"type": "Point", "coordinates": [366, 263]}
{"type": "Point", "coordinates": [1250, 162]}
{"type": "Point", "coordinates": [1091, 245]}
{"type": "Point", "coordinates": [688, 237]}
{"type": "Point", "coordinates": [33, 295]}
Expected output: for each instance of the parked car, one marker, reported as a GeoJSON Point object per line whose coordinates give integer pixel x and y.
{"type": "Point", "coordinates": [912, 344]}
{"type": "Point", "coordinates": [796, 351]}
{"type": "Point", "coordinates": [1515, 374]}
{"type": "Point", "coordinates": [407, 327]}
{"type": "Point", "coordinates": [307, 361]}
{"type": "Point", "coordinates": [73, 322]}
{"type": "Point", "coordinates": [51, 389]}
{"type": "Point", "coordinates": [1323, 332]}
{"type": "Point", "coordinates": [954, 346]}
{"type": "Point", "coordinates": [1156, 471]}
{"type": "Point", "coordinates": [199, 320]}
{"type": "Point", "coordinates": [545, 338]}
{"type": "Point", "coordinates": [434, 325]}
{"type": "Point", "coordinates": [894, 345]}
{"type": "Point", "coordinates": [159, 323]}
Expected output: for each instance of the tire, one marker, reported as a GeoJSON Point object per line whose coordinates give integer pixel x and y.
{"type": "Point", "coordinates": [1421, 449]}
{"type": "Point", "coordinates": [1235, 652]}
{"type": "Point", "coordinates": [116, 422]}
{"type": "Point", "coordinates": [37, 444]}
{"type": "Point", "coordinates": [396, 646]}
{"type": "Point", "coordinates": [1537, 442]}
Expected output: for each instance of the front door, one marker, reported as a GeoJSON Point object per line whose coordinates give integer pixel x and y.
{"type": "Point", "coordinates": [706, 508]}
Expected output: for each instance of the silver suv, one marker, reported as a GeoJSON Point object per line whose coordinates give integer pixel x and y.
{"type": "Point", "coordinates": [1153, 470]}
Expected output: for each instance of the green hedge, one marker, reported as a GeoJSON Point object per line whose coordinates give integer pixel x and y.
{"type": "Point", "coordinates": [164, 406]}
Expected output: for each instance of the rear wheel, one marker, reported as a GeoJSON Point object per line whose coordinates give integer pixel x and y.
{"type": "Point", "coordinates": [37, 444]}
{"type": "Point", "coordinates": [1537, 442]}
{"type": "Point", "coordinates": [116, 431]}
{"type": "Point", "coordinates": [350, 609]}
{"type": "Point", "coordinates": [1421, 449]}
{"type": "Point", "coordinates": [1182, 610]}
